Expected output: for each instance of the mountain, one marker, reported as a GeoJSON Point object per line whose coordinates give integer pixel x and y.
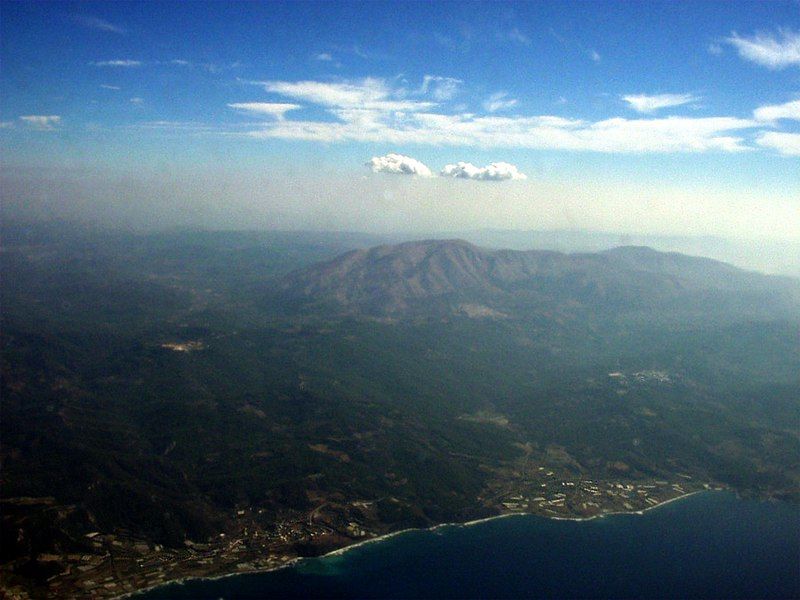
{"type": "Point", "coordinates": [162, 419]}
{"type": "Point", "coordinates": [456, 277]}
{"type": "Point", "coordinates": [776, 257]}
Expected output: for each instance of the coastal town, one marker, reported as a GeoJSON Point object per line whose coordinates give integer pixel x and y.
{"type": "Point", "coordinates": [588, 498]}
{"type": "Point", "coordinates": [545, 481]}
{"type": "Point", "coordinates": [119, 563]}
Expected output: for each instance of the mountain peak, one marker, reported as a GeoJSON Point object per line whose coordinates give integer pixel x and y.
{"type": "Point", "coordinates": [439, 277]}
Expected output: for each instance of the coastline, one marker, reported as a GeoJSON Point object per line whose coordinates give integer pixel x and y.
{"type": "Point", "coordinates": [625, 512]}
{"type": "Point", "coordinates": [341, 551]}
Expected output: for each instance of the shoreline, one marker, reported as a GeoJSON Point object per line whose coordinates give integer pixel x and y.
{"type": "Point", "coordinates": [341, 551]}
{"type": "Point", "coordinates": [625, 512]}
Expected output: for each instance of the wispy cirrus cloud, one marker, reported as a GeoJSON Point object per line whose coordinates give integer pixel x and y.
{"type": "Point", "coordinates": [398, 164]}
{"type": "Point", "coordinates": [572, 44]}
{"type": "Point", "coordinates": [210, 67]}
{"type": "Point", "coordinates": [515, 35]}
{"type": "Point", "coordinates": [774, 112]}
{"type": "Point", "coordinates": [41, 122]}
{"type": "Point", "coordinates": [371, 111]}
{"type": "Point", "coordinates": [787, 144]}
{"type": "Point", "coordinates": [106, 86]}
{"type": "Point", "coordinates": [498, 171]}
{"type": "Point", "coordinates": [439, 88]}
{"type": "Point", "coordinates": [499, 101]}
{"type": "Point", "coordinates": [645, 103]}
{"type": "Point", "coordinates": [772, 50]}
{"type": "Point", "coordinates": [98, 24]}
{"type": "Point", "coordinates": [176, 127]}
{"type": "Point", "coordinates": [673, 134]}
{"type": "Point", "coordinates": [362, 95]}
{"type": "Point", "coordinates": [118, 63]}
{"type": "Point", "coordinates": [272, 109]}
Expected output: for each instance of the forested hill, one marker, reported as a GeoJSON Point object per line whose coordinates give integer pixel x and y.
{"type": "Point", "coordinates": [160, 390]}
{"type": "Point", "coordinates": [454, 276]}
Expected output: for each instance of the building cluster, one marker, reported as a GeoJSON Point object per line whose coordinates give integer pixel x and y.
{"type": "Point", "coordinates": [588, 497]}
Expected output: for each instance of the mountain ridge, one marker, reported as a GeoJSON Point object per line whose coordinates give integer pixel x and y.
{"type": "Point", "coordinates": [436, 276]}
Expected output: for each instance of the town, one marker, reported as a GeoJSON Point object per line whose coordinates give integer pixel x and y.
{"type": "Point", "coordinates": [120, 564]}
{"type": "Point", "coordinates": [587, 498]}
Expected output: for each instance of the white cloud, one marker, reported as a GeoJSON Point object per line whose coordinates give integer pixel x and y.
{"type": "Point", "coordinates": [99, 24]}
{"type": "Point", "coordinates": [105, 86]}
{"type": "Point", "coordinates": [595, 55]}
{"type": "Point", "coordinates": [499, 171]}
{"type": "Point", "coordinates": [772, 50]}
{"type": "Point", "coordinates": [673, 134]}
{"type": "Point", "coordinates": [6, 124]}
{"type": "Point", "coordinates": [180, 62]}
{"type": "Point", "coordinates": [773, 112]}
{"type": "Point", "coordinates": [646, 104]}
{"type": "Point", "coordinates": [441, 89]}
{"type": "Point", "coordinates": [370, 111]}
{"type": "Point", "coordinates": [366, 94]}
{"type": "Point", "coordinates": [499, 101]}
{"type": "Point", "coordinates": [118, 63]}
{"type": "Point", "coordinates": [324, 56]}
{"type": "Point", "coordinates": [785, 143]}
{"type": "Point", "coordinates": [272, 109]}
{"type": "Point", "coordinates": [137, 100]}
{"type": "Point", "coordinates": [398, 165]}
{"type": "Point", "coordinates": [42, 122]}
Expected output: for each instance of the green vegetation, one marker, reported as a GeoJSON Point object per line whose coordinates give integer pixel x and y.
{"type": "Point", "coordinates": [276, 411]}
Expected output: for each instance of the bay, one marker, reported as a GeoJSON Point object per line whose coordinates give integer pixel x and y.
{"type": "Point", "coordinates": [709, 545]}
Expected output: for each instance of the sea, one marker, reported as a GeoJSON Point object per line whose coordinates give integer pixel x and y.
{"type": "Point", "coordinates": [708, 545]}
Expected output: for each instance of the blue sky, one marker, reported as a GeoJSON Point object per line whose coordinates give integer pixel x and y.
{"type": "Point", "coordinates": [612, 105]}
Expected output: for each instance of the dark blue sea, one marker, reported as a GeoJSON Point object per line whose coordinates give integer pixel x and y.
{"type": "Point", "coordinates": [710, 545]}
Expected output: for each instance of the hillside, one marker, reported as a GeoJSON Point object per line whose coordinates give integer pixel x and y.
{"type": "Point", "coordinates": [156, 395]}
{"type": "Point", "coordinates": [445, 276]}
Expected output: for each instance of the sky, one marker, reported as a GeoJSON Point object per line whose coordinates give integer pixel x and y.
{"type": "Point", "coordinates": [675, 118]}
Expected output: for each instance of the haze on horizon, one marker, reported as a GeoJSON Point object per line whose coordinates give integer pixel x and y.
{"type": "Point", "coordinates": [673, 119]}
